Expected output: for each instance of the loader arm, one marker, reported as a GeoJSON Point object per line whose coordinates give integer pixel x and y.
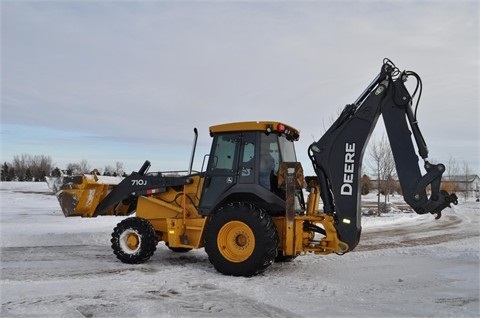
{"type": "Point", "coordinates": [138, 184]}
{"type": "Point", "coordinates": [87, 196]}
{"type": "Point", "coordinates": [337, 156]}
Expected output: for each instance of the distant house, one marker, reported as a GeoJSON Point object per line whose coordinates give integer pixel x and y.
{"type": "Point", "coordinates": [468, 184]}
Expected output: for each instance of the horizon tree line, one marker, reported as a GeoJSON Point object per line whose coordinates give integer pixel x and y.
{"type": "Point", "coordinates": [26, 167]}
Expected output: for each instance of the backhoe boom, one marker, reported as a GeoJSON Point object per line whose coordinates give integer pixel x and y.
{"type": "Point", "coordinates": [337, 156]}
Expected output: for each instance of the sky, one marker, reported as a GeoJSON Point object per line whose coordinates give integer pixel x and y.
{"type": "Point", "coordinates": [127, 81]}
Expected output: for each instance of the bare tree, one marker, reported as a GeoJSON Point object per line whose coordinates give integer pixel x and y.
{"type": "Point", "coordinates": [84, 166]}
{"type": "Point", "coordinates": [388, 170]}
{"type": "Point", "coordinates": [73, 169]}
{"type": "Point", "coordinates": [452, 173]}
{"type": "Point", "coordinates": [20, 166]}
{"type": "Point", "coordinates": [466, 177]}
{"type": "Point", "coordinates": [78, 168]}
{"type": "Point", "coordinates": [37, 166]}
{"type": "Point", "coordinates": [119, 168]}
{"type": "Point", "coordinates": [384, 167]}
{"type": "Point", "coordinates": [41, 166]}
{"type": "Point", "coordinates": [108, 171]}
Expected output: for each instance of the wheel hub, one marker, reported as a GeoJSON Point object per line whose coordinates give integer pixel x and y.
{"type": "Point", "coordinates": [241, 240]}
{"type": "Point", "coordinates": [236, 241]}
{"type": "Point", "coordinates": [130, 241]}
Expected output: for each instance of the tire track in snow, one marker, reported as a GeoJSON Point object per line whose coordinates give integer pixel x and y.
{"type": "Point", "coordinates": [451, 228]}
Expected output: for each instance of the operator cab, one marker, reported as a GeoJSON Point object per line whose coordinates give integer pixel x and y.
{"type": "Point", "coordinates": [243, 164]}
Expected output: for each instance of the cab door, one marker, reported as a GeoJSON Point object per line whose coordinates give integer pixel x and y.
{"type": "Point", "coordinates": [222, 171]}
{"type": "Point", "coordinates": [247, 162]}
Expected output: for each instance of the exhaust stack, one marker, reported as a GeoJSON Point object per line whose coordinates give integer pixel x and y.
{"type": "Point", "coordinates": [195, 131]}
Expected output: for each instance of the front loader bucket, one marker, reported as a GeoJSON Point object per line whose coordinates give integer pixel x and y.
{"type": "Point", "coordinates": [80, 195]}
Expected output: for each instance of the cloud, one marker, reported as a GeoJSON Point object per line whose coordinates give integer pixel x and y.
{"type": "Point", "coordinates": [142, 74]}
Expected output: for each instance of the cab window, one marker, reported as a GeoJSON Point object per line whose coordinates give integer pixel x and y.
{"type": "Point", "coordinates": [223, 153]}
{"type": "Point", "coordinates": [287, 150]}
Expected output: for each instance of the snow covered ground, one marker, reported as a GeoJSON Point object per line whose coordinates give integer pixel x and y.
{"type": "Point", "coordinates": [405, 266]}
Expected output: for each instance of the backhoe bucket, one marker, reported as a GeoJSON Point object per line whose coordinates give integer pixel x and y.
{"type": "Point", "coordinates": [80, 195]}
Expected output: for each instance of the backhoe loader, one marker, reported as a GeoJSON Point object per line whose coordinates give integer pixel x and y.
{"type": "Point", "coordinates": [247, 207]}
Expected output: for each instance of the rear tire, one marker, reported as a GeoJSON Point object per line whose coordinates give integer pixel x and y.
{"type": "Point", "coordinates": [134, 240]}
{"type": "Point", "coordinates": [241, 240]}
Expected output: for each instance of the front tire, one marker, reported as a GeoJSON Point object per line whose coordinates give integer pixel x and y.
{"type": "Point", "coordinates": [241, 240]}
{"type": "Point", "coordinates": [134, 240]}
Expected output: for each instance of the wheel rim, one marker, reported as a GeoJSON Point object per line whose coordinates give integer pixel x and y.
{"type": "Point", "coordinates": [130, 241]}
{"type": "Point", "coordinates": [236, 241]}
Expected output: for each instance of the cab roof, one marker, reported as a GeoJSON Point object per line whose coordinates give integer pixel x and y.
{"type": "Point", "coordinates": [266, 126]}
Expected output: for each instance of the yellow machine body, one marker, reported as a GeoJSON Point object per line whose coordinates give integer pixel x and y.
{"type": "Point", "coordinates": [172, 210]}
{"type": "Point", "coordinates": [174, 215]}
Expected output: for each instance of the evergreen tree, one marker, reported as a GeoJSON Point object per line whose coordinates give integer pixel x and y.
{"type": "Point", "coordinates": [4, 176]}
{"type": "Point", "coordinates": [28, 175]}
{"type": "Point", "coordinates": [11, 174]}
{"type": "Point", "coordinates": [56, 172]}
{"type": "Point", "coordinates": [366, 185]}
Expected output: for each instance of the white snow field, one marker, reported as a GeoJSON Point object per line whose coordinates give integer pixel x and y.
{"type": "Point", "coordinates": [406, 265]}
